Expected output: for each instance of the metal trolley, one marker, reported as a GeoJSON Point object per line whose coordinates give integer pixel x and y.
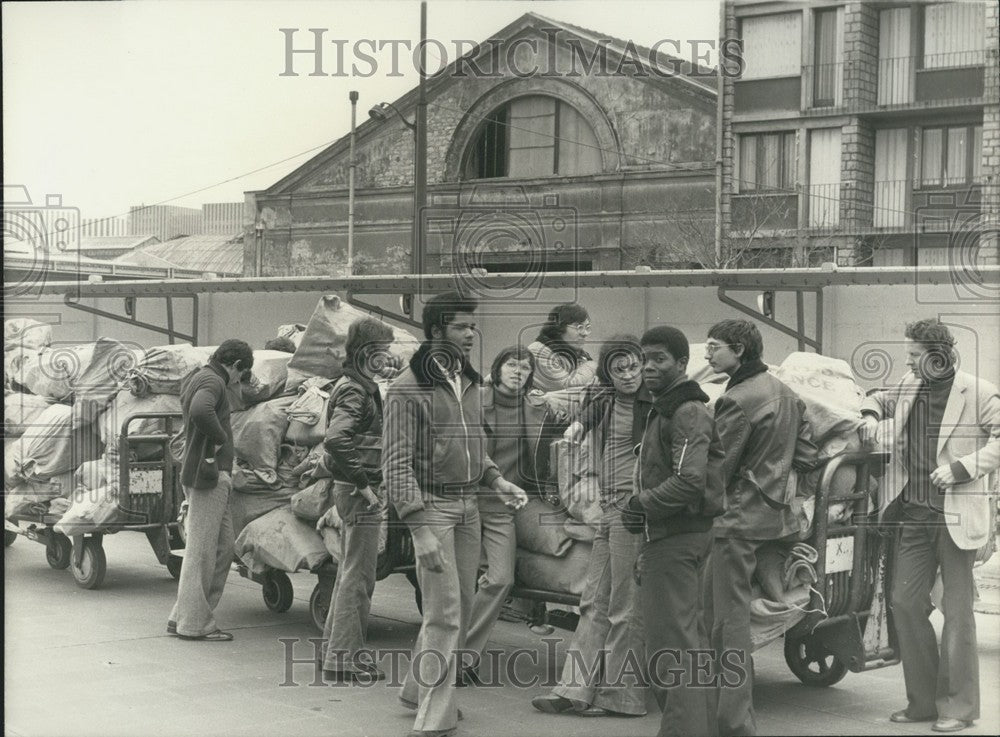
{"type": "Point", "coordinates": [149, 499]}
{"type": "Point", "coordinates": [855, 559]}
{"type": "Point", "coordinates": [852, 559]}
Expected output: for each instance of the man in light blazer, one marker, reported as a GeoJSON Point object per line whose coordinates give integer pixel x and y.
{"type": "Point", "coordinates": [945, 445]}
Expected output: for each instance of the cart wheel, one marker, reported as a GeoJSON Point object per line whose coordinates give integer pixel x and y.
{"type": "Point", "coordinates": [9, 538]}
{"type": "Point", "coordinates": [58, 551]}
{"type": "Point", "coordinates": [278, 591]}
{"type": "Point", "coordinates": [418, 595]}
{"type": "Point", "coordinates": [812, 663]}
{"type": "Point", "coordinates": [174, 566]}
{"type": "Point", "coordinates": [90, 573]}
{"type": "Point", "coordinates": [319, 603]}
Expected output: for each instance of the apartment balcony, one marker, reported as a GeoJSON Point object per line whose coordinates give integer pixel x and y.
{"type": "Point", "coordinates": [928, 81]}
{"type": "Point", "coordinates": [953, 80]}
{"type": "Point", "coordinates": [935, 212]}
{"type": "Point", "coordinates": [764, 212]}
{"type": "Point", "coordinates": [908, 206]}
{"type": "Point", "coordinates": [823, 86]}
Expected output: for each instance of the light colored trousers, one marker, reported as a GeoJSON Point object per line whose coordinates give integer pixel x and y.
{"type": "Point", "coordinates": [447, 604]}
{"type": "Point", "coordinates": [500, 546]}
{"type": "Point", "coordinates": [347, 620]}
{"type": "Point", "coordinates": [208, 556]}
{"type": "Point", "coordinates": [610, 625]}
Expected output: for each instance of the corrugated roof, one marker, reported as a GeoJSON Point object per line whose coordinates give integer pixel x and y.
{"type": "Point", "coordinates": [220, 254]}
{"type": "Point", "coordinates": [115, 242]}
{"type": "Point", "coordinates": [140, 258]}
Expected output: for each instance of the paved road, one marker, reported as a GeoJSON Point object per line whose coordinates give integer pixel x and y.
{"type": "Point", "coordinates": [99, 663]}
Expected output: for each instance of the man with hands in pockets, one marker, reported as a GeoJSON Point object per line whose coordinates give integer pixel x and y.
{"type": "Point", "coordinates": [434, 460]}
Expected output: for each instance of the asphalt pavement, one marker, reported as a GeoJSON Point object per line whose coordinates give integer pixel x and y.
{"type": "Point", "coordinates": [99, 662]}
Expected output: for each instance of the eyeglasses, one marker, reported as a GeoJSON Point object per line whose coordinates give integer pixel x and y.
{"type": "Point", "coordinates": [580, 327]}
{"type": "Point", "coordinates": [711, 348]}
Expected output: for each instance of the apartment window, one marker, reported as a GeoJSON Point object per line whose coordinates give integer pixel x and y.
{"type": "Point", "coordinates": [824, 177]}
{"type": "Point", "coordinates": [950, 156]}
{"type": "Point", "coordinates": [954, 35]}
{"type": "Point", "coordinates": [533, 136]}
{"type": "Point", "coordinates": [772, 45]}
{"type": "Point", "coordinates": [767, 162]}
{"type": "Point", "coordinates": [891, 183]}
{"type": "Point", "coordinates": [828, 69]}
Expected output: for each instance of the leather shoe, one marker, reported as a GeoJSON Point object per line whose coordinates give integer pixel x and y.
{"type": "Point", "coordinates": [903, 717]}
{"type": "Point", "coordinates": [597, 711]}
{"type": "Point", "coordinates": [359, 674]}
{"type": "Point", "coordinates": [552, 704]}
{"type": "Point", "coordinates": [950, 724]}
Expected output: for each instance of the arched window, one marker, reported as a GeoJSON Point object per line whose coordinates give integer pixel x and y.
{"type": "Point", "coordinates": [533, 136]}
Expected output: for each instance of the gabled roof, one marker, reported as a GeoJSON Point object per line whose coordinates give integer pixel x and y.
{"type": "Point", "coordinates": [703, 87]}
{"type": "Point", "coordinates": [220, 254]}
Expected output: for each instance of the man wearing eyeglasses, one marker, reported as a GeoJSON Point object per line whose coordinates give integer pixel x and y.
{"type": "Point", "coordinates": [608, 648]}
{"type": "Point", "coordinates": [765, 436]}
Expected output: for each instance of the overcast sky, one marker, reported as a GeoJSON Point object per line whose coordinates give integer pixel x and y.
{"type": "Point", "coordinates": [115, 104]}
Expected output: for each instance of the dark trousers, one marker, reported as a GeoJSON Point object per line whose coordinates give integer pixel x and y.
{"type": "Point", "coordinates": [727, 616]}
{"type": "Point", "coordinates": [671, 573]}
{"type": "Point", "coordinates": [944, 683]}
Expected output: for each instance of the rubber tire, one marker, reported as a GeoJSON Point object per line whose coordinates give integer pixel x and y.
{"type": "Point", "coordinates": [59, 551]}
{"type": "Point", "coordinates": [90, 574]}
{"type": "Point", "coordinates": [418, 595]}
{"type": "Point", "coordinates": [174, 563]}
{"type": "Point", "coordinates": [9, 538]}
{"type": "Point", "coordinates": [319, 604]}
{"type": "Point", "coordinates": [277, 591]}
{"type": "Point", "coordinates": [812, 663]}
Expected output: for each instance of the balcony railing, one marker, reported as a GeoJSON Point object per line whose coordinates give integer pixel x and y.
{"type": "Point", "coordinates": [823, 205]}
{"type": "Point", "coordinates": [907, 80]}
{"type": "Point", "coordinates": [823, 85]}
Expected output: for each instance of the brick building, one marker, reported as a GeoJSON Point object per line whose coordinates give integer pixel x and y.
{"type": "Point", "coordinates": [862, 132]}
{"type": "Point", "coordinates": [592, 167]}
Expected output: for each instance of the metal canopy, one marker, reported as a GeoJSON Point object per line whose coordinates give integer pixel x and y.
{"type": "Point", "coordinates": [761, 279]}
{"type": "Point", "coordinates": [768, 281]}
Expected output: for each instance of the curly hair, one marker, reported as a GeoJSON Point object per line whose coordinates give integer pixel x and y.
{"type": "Point", "coordinates": [935, 336]}
{"type": "Point", "coordinates": [233, 351]}
{"type": "Point", "coordinates": [440, 310]}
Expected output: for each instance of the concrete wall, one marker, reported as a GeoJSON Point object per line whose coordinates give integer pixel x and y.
{"type": "Point", "coordinates": [862, 325]}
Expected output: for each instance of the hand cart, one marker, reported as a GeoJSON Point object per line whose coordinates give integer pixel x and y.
{"type": "Point", "coordinates": [149, 499]}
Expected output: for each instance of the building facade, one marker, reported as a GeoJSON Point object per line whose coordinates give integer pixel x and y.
{"type": "Point", "coordinates": [164, 221]}
{"type": "Point", "coordinates": [222, 218]}
{"type": "Point", "coordinates": [865, 133]}
{"type": "Point", "coordinates": [599, 166]}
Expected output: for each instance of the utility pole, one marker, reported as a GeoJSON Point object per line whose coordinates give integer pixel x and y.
{"type": "Point", "coordinates": [420, 150]}
{"type": "Point", "coordinates": [350, 186]}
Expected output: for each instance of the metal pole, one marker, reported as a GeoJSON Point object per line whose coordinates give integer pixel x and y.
{"type": "Point", "coordinates": [420, 148]}
{"type": "Point", "coordinates": [719, 107]}
{"type": "Point", "coordinates": [350, 186]}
